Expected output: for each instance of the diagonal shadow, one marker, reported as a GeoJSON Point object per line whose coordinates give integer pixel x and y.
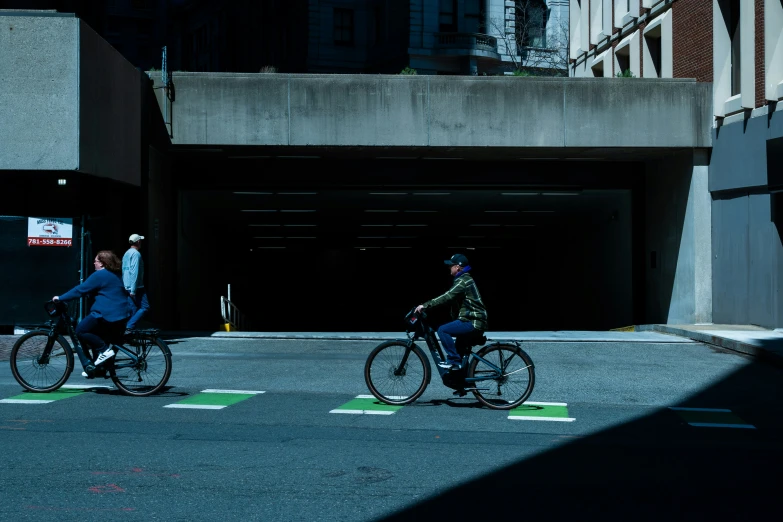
{"type": "Point", "coordinates": [654, 468]}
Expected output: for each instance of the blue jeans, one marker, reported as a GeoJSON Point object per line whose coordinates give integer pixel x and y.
{"type": "Point", "coordinates": [140, 307]}
{"type": "Point", "coordinates": [446, 331]}
{"type": "Point", "coordinates": [91, 332]}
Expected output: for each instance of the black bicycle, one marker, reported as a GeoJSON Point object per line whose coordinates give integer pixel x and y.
{"type": "Point", "coordinates": [42, 359]}
{"type": "Point", "coordinates": [501, 375]}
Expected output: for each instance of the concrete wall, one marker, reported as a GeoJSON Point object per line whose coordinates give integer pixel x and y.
{"type": "Point", "coordinates": [109, 110]}
{"type": "Point", "coordinates": [39, 67]}
{"type": "Point", "coordinates": [678, 237]}
{"type": "Point", "coordinates": [68, 100]}
{"type": "Point", "coordinates": [357, 110]}
{"type": "Point", "coordinates": [748, 222]}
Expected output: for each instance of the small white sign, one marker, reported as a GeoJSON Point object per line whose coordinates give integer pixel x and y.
{"type": "Point", "coordinates": [49, 232]}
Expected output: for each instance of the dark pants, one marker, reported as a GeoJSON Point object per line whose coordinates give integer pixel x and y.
{"type": "Point", "coordinates": [140, 307]}
{"type": "Point", "coordinates": [91, 332]}
{"type": "Point", "coordinates": [446, 331]}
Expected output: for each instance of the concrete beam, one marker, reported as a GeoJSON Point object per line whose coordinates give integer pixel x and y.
{"type": "Point", "coordinates": [39, 121]}
{"type": "Point", "coordinates": [454, 111]}
{"type": "Point", "coordinates": [68, 100]}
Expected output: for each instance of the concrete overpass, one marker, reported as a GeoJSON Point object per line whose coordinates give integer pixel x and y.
{"type": "Point", "coordinates": [579, 117]}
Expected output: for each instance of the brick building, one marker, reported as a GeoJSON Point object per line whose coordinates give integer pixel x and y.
{"type": "Point", "coordinates": [737, 45]}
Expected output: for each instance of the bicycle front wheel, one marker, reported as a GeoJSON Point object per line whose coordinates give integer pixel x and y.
{"type": "Point", "coordinates": [144, 370]}
{"type": "Point", "coordinates": [39, 366]}
{"type": "Point", "coordinates": [396, 373]}
{"type": "Point", "coordinates": [511, 376]}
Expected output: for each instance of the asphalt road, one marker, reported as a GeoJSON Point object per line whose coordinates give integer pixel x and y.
{"type": "Point", "coordinates": [281, 454]}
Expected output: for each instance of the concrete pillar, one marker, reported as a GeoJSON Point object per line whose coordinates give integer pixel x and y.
{"type": "Point", "coordinates": [679, 240]}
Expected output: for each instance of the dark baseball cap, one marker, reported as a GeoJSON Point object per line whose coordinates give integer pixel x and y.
{"type": "Point", "coordinates": [457, 259]}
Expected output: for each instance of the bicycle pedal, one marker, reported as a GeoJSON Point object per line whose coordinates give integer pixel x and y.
{"type": "Point", "coordinates": [461, 393]}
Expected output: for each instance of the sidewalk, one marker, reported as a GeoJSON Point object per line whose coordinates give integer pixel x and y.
{"type": "Point", "coordinates": [765, 344]}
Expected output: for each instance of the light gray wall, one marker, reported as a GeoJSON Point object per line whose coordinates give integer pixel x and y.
{"type": "Point", "coordinates": [747, 223]}
{"type": "Point", "coordinates": [678, 224]}
{"type": "Point", "coordinates": [389, 110]}
{"type": "Point", "coordinates": [39, 66]}
{"type": "Point", "coordinates": [68, 100]}
{"type": "Point", "coordinates": [109, 110]}
{"type": "Point", "coordinates": [748, 264]}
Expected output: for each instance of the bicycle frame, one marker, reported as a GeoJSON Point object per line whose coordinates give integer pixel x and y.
{"type": "Point", "coordinates": [62, 326]}
{"type": "Point", "coordinates": [436, 351]}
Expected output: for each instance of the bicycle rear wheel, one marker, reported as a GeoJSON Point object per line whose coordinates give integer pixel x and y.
{"type": "Point", "coordinates": [37, 369]}
{"type": "Point", "coordinates": [509, 387]}
{"type": "Point", "coordinates": [143, 373]}
{"type": "Point", "coordinates": [393, 382]}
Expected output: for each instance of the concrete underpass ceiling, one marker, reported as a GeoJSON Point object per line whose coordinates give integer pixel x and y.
{"type": "Point", "coordinates": [297, 219]}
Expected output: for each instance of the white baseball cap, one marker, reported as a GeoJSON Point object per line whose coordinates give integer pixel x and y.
{"type": "Point", "coordinates": [135, 237]}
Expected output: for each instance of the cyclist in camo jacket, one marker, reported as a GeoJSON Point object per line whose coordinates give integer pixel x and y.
{"type": "Point", "coordinates": [472, 312]}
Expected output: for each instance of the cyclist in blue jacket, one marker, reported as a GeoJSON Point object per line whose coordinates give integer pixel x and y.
{"type": "Point", "coordinates": [109, 312]}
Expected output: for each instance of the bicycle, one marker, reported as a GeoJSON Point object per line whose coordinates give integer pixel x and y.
{"type": "Point", "coordinates": [42, 359]}
{"type": "Point", "coordinates": [397, 372]}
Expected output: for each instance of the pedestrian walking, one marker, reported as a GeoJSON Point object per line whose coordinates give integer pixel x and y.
{"type": "Point", "coordinates": [133, 279]}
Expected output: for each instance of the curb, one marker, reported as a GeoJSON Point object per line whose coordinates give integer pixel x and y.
{"type": "Point", "coordinates": [761, 353]}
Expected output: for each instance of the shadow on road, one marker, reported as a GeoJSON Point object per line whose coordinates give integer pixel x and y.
{"type": "Point", "coordinates": [655, 468]}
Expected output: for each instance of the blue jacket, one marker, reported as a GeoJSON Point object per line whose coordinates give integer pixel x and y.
{"type": "Point", "coordinates": [111, 298]}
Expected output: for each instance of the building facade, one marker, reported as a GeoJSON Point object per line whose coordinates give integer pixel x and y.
{"type": "Point", "coordinates": [488, 36]}
{"type": "Point", "coordinates": [737, 45]}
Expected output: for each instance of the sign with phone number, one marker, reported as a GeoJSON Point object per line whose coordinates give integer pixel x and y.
{"type": "Point", "coordinates": [37, 241]}
{"type": "Point", "coordinates": [55, 232]}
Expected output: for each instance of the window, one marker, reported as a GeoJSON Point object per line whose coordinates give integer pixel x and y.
{"type": "Point", "coordinates": [475, 16]}
{"type": "Point", "coordinates": [448, 16]}
{"type": "Point", "coordinates": [531, 16]}
{"type": "Point", "coordinates": [732, 16]}
{"type": "Point", "coordinates": [343, 26]}
{"type": "Point", "coordinates": [627, 55]}
{"type": "Point", "coordinates": [623, 61]}
{"type": "Point", "coordinates": [657, 47]}
{"type": "Point", "coordinates": [653, 43]}
{"type": "Point", "coordinates": [625, 11]}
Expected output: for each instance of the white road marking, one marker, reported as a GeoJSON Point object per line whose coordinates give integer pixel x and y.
{"type": "Point", "coordinates": [195, 406]}
{"type": "Point", "coordinates": [555, 419]}
{"type": "Point", "coordinates": [233, 391]}
{"type": "Point", "coordinates": [24, 401]}
{"type": "Point", "coordinates": [363, 412]}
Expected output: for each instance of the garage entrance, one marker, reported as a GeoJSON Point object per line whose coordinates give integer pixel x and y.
{"type": "Point", "coordinates": [353, 246]}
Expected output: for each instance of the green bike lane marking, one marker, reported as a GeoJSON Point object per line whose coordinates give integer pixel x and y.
{"type": "Point", "coordinates": [214, 399]}
{"type": "Point", "coordinates": [64, 392]}
{"type": "Point", "coordinates": [366, 405]}
{"type": "Point", "coordinates": [711, 418]}
{"type": "Point", "coordinates": [541, 411]}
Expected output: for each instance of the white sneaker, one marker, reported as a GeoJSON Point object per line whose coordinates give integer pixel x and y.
{"type": "Point", "coordinates": [104, 356]}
